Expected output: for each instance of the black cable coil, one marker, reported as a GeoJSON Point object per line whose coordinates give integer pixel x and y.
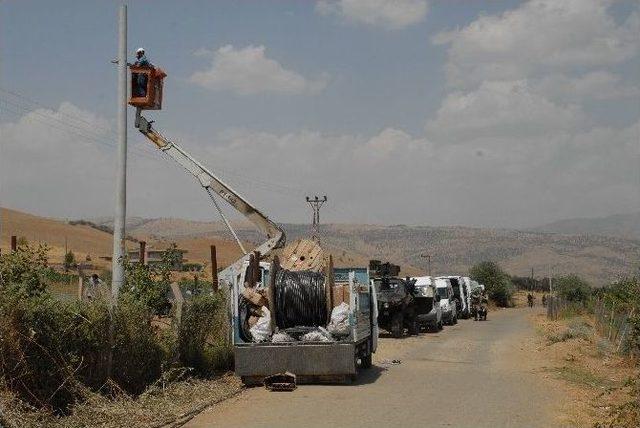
{"type": "Point", "coordinates": [300, 299]}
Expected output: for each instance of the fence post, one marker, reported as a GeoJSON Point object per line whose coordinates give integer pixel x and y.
{"type": "Point", "coordinates": [179, 299]}
{"type": "Point", "coordinates": [613, 307]}
{"type": "Point", "coordinates": [14, 243]}
{"type": "Point", "coordinates": [142, 256]}
{"type": "Point", "coordinates": [80, 287]}
{"type": "Point", "coordinates": [214, 268]}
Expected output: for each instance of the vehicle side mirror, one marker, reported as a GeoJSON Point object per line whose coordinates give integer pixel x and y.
{"type": "Point", "coordinates": [438, 298]}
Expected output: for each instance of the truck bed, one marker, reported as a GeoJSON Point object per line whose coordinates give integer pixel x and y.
{"type": "Point", "coordinates": [258, 360]}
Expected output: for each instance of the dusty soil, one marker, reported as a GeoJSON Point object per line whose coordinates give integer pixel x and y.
{"type": "Point", "coordinates": [481, 374]}
{"type": "Point", "coordinates": [586, 370]}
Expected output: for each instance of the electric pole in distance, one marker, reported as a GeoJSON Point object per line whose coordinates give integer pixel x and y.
{"type": "Point", "coordinates": [315, 204]}
{"type": "Point", "coordinates": [428, 257]}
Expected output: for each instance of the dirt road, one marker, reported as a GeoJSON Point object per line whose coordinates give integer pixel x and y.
{"type": "Point", "coordinates": [480, 374]}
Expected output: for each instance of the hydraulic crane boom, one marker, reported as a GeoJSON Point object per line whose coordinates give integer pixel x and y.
{"type": "Point", "coordinates": [212, 184]}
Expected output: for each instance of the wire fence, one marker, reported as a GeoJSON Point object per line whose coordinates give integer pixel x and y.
{"type": "Point", "coordinates": [609, 322]}
{"type": "Point", "coordinates": [555, 307]}
{"type": "Point", "coordinates": [615, 326]}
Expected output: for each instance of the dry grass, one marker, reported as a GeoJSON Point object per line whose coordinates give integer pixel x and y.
{"type": "Point", "coordinates": [584, 368]}
{"type": "Point", "coordinates": [160, 406]}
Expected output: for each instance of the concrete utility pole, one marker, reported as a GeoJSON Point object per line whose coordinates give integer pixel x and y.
{"type": "Point", "coordinates": [121, 174]}
{"type": "Point", "coordinates": [316, 203]}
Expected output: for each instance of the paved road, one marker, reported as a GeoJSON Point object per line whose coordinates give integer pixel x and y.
{"type": "Point", "coordinates": [474, 374]}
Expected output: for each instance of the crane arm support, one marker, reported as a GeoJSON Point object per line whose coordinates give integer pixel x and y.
{"type": "Point", "coordinates": [208, 180]}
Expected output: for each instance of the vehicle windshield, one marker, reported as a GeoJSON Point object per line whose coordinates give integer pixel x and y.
{"type": "Point", "coordinates": [424, 290]}
{"type": "Point", "coordinates": [386, 284]}
{"type": "Point", "coordinates": [442, 292]}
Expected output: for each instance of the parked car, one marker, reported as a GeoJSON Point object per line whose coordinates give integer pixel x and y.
{"type": "Point", "coordinates": [447, 300]}
{"type": "Point", "coordinates": [462, 294]}
{"type": "Point", "coordinates": [429, 312]}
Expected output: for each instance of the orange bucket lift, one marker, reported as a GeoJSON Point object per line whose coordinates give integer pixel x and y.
{"type": "Point", "coordinates": [146, 87]}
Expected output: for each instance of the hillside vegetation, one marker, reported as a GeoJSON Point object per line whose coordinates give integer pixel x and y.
{"type": "Point", "coordinates": [453, 249]}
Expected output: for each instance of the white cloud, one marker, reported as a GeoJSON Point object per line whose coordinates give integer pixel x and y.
{"type": "Point", "coordinates": [501, 109]}
{"type": "Point", "coordinates": [596, 85]}
{"type": "Point", "coordinates": [497, 178]}
{"type": "Point", "coordinates": [539, 36]}
{"type": "Point", "coordinates": [389, 14]}
{"type": "Point", "coordinates": [248, 71]}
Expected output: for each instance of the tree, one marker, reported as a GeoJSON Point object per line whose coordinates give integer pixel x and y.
{"type": "Point", "coordinates": [496, 281]}
{"type": "Point", "coordinates": [572, 288]}
{"type": "Point", "coordinates": [69, 261]}
{"type": "Point", "coordinates": [151, 284]}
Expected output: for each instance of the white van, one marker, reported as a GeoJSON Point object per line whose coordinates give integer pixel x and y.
{"type": "Point", "coordinates": [429, 312]}
{"type": "Point", "coordinates": [462, 294]}
{"type": "Point", "coordinates": [447, 300]}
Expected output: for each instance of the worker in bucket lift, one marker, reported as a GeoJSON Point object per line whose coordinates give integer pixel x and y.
{"type": "Point", "coordinates": [140, 88]}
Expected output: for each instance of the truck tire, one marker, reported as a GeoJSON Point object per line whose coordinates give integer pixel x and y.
{"type": "Point", "coordinates": [367, 361]}
{"type": "Point", "coordinates": [397, 325]}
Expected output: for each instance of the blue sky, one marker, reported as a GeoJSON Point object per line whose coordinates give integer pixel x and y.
{"type": "Point", "coordinates": [430, 104]}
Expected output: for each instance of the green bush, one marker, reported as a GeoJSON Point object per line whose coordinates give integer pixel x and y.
{"type": "Point", "coordinates": [69, 261]}
{"type": "Point", "coordinates": [497, 282]}
{"type": "Point", "coordinates": [52, 352]}
{"type": "Point", "coordinates": [150, 284]}
{"type": "Point", "coordinates": [203, 335]}
{"type": "Point", "coordinates": [572, 288]}
{"type": "Point", "coordinates": [624, 297]}
{"type": "Point", "coordinates": [25, 269]}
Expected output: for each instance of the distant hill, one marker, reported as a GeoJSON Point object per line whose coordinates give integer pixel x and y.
{"type": "Point", "coordinates": [621, 225]}
{"type": "Point", "coordinates": [453, 249]}
{"type": "Point", "coordinates": [97, 241]}
{"type": "Point", "coordinates": [83, 240]}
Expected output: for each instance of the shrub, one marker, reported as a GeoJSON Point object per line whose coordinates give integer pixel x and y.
{"type": "Point", "coordinates": [25, 269]}
{"type": "Point", "coordinates": [572, 288]}
{"type": "Point", "coordinates": [150, 284]}
{"type": "Point", "coordinates": [203, 335]}
{"type": "Point", "coordinates": [575, 330]}
{"type": "Point", "coordinates": [69, 261]}
{"type": "Point", "coordinates": [496, 281]}
{"type": "Point", "coordinates": [51, 350]}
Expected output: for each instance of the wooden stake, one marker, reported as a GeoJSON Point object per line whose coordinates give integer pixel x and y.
{"type": "Point", "coordinates": [255, 271]}
{"type": "Point", "coordinates": [14, 242]}
{"type": "Point", "coordinates": [214, 268]}
{"type": "Point", "coordinates": [179, 300]}
{"type": "Point", "coordinates": [142, 256]}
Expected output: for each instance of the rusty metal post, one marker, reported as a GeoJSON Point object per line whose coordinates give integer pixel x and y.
{"type": "Point", "coordinates": [14, 242]}
{"type": "Point", "coordinates": [142, 256]}
{"type": "Point", "coordinates": [214, 268]}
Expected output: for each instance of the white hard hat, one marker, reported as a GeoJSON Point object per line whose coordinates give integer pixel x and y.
{"type": "Point", "coordinates": [140, 50]}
